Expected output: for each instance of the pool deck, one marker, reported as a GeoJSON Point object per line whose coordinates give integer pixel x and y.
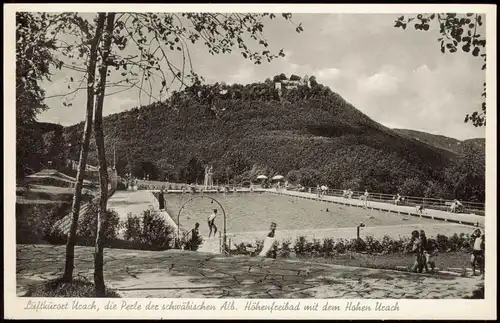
{"type": "Point", "coordinates": [125, 202]}
{"type": "Point", "coordinates": [460, 218]}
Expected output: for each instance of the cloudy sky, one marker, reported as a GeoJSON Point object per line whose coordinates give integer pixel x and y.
{"type": "Point", "coordinates": [397, 77]}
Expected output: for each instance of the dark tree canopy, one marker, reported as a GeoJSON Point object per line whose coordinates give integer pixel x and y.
{"type": "Point", "coordinates": [33, 62]}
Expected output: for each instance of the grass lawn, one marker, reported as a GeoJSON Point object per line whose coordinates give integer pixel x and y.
{"type": "Point", "coordinates": [59, 288]}
{"type": "Point", "coordinates": [449, 261]}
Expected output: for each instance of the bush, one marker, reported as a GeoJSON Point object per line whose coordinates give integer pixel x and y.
{"type": "Point", "coordinates": [453, 242]}
{"type": "Point", "coordinates": [259, 245]}
{"type": "Point", "coordinates": [387, 245]}
{"type": "Point", "coordinates": [285, 250]}
{"type": "Point", "coordinates": [35, 223]}
{"type": "Point", "coordinates": [477, 293]}
{"type": "Point", "coordinates": [340, 246]}
{"type": "Point", "coordinates": [87, 225]}
{"type": "Point", "coordinates": [442, 242]}
{"type": "Point", "coordinates": [390, 245]}
{"type": "Point", "coordinates": [316, 247]}
{"type": "Point", "coordinates": [150, 229]}
{"type": "Point", "coordinates": [121, 186]}
{"type": "Point", "coordinates": [132, 227]}
{"type": "Point", "coordinates": [358, 245]}
{"type": "Point", "coordinates": [187, 243]}
{"type": "Point", "coordinates": [328, 246]}
{"type": "Point", "coordinates": [300, 246]}
{"type": "Point", "coordinates": [373, 245]}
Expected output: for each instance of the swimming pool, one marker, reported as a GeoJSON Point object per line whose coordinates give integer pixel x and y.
{"type": "Point", "coordinates": [249, 212]}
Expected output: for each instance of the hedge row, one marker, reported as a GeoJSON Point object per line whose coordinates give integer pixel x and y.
{"type": "Point", "coordinates": [331, 246]}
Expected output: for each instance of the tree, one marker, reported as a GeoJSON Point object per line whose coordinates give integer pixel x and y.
{"type": "Point", "coordinates": [82, 162]}
{"type": "Point", "coordinates": [279, 78]}
{"type": "Point", "coordinates": [295, 78]}
{"type": "Point", "coordinates": [33, 62]}
{"type": "Point", "coordinates": [309, 177]}
{"type": "Point", "coordinates": [411, 187]}
{"type": "Point", "coordinates": [434, 189]}
{"type": "Point", "coordinates": [193, 171]}
{"type": "Point", "coordinates": [144, 168]}
{"type": "Point", "coordinates": [101, 154]}
{"type": "Point", "coordinates": [55, 148]}
{"type": "Point", "coordinates": [236, 163]}
{"type": "Point", "coordinates": [466, 176]}
{"type": "Point", "coordinates": [313, 81]}
{"type": "Point", "coordinates": [458, 31]}
{"type": "Point", "coordinates": [155, 36]}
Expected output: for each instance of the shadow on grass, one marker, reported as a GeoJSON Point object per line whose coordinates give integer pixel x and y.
{"type": "Point", "coordinates": [59, 288]}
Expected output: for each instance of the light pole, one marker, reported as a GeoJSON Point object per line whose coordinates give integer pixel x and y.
{"type": "Point", "coordinates": [213, 200]}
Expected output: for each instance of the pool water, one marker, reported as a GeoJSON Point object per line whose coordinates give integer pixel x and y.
{"type": "Point", "coordinates": [249, 212]}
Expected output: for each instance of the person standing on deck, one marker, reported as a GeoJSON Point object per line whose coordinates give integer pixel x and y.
{"type": "Point", "coordinates": [477, 256]}
{"type": "Point", "coordinates": [195, 237]}
{"type": "Point", "coordinates": [211, 223]}
{"type": "Point", "coordinates": [425, 252]}
{"type": "Point", "coordinates": [417, 250]}
{"type": "Point", "coordinates": [161, 200]}
{"type": "Point", "coordinates": [273, 253]}
{"type": "Point", "coordinates": [365, 198]}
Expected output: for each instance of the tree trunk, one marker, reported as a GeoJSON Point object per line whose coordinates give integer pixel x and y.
{"type": "Point", "coordinates": [101, 154]}
{"type": "Point", "coordinates": [75, 208]}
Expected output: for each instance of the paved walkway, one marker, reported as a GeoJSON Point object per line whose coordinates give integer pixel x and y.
{"type": "Point", "coordinates": [135, 202]}
{"type": "Point", "coordinates": [184, 274]}
{"type": "Point", "coordinates": [461, 218]}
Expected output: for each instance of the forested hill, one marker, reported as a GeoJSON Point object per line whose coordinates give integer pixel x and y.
{"type": "Point", "coordinates": [454, 145]}
{"type": "Point", "coordinates": [308, 133]}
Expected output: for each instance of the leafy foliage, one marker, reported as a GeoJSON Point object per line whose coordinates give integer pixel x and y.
{"type": "Point", "coordinates": [150, 229]}
{"type": "Point", "coordinates": [35, 223]}
{"type": "Point", "coordinates": [87, 226]}
{"type": "Point", "coordinates": [33, 62]}
{"type": "Point", "coordinates": [458, 32]}
{"type": "Point", "coordinates": [330, 247]}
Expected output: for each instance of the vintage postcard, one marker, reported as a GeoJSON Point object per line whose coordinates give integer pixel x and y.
{"type": "Point", "coordinates": [250, 161]}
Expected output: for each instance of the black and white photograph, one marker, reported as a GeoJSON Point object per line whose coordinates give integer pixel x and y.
{"type": "Point", "coordinates": [258, 155]}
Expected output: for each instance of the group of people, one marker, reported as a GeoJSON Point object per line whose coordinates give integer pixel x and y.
{"type": "Point", "coordinates": [426, 252]}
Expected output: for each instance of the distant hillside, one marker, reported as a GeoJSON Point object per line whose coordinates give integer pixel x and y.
{"type": "Point", "coordinates": [454, 145]}
{"type": "Point", "coordinates": [45, 127]}
{"type": "Point", "coordinates": [309, 134]}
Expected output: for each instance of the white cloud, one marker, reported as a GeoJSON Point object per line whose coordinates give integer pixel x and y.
{"type": "Point", "coordinates": [379, 84]}
{"type": "Point", "coordinates": [245, 74]}
{"type": "Point", "coordinates": [399, 78]}
{"type": "Point", "coordinates": [117, 103]}
{"type": "Point", "coordinates": [328, 74]}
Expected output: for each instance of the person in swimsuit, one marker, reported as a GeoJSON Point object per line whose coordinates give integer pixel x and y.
{"type": "Point", "coordinates": [211, 223]}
